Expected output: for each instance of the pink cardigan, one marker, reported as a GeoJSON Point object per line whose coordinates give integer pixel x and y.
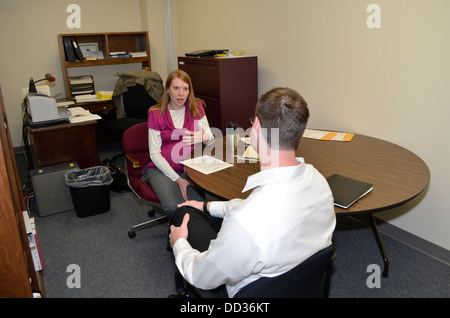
{"type": "Point", "coordinates": [172, 137]}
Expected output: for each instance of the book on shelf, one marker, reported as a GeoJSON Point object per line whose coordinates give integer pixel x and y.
{"type": "Point", "coordinates": [120, 54]}
{"type": "Point", "coordinates": [347, 191]}
{"type": "Point", "coordinates": [138, 54]}
{"type": "Point", "coordinates": [30, 228]}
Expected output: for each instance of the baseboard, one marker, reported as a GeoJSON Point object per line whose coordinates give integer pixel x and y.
{"type": "Point", "coordinates": [19, 150]}
{"type": "Point", "coordinates": [418, 243]}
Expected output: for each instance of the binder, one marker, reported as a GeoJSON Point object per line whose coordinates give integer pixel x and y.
{"type": "Point", "coordinates": [77, 50]}
{"type": "Point", "coordinates": [68, 49]}
{"type": "Point", "coordinates": [347, 191]}
{"type": "Point", "coordinates": [72, 49]}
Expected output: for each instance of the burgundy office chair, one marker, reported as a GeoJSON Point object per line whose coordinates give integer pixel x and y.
{"type": "Point", "coordinates": [135, 146]}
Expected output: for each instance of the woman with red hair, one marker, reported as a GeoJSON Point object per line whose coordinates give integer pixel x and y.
{"type": "Point", "coordinates": [175, 125]}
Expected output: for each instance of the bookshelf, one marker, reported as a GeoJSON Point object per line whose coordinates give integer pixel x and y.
{"type": "Point", "coordinates": [18, 275]}
{"type": "Point", "coordinates": [105, 44]}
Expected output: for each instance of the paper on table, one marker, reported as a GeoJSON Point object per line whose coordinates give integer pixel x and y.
{"type": "Point", "coordinates": [327, 135]}
{"type": "Point", "coordinates": [206, 164]}
{"type": "Point", "coordinates": [249, 153]}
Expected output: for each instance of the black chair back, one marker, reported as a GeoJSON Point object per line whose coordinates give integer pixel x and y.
{"type": "Point", "coordinates": [136, 102]}
{"type": "Point", "coordinates": [306, 280]}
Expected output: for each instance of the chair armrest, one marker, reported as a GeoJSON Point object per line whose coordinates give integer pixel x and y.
{"type": "Point", "coordinates": [134, 162]}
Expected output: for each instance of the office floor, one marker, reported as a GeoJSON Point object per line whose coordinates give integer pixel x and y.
{"type": "Point", "coordinates": [113, 265]}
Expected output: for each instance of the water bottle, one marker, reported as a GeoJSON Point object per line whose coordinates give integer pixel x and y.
{"type": "Point", "coordinates": [231, 138]}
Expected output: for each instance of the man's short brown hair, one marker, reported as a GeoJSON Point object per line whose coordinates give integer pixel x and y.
{"type": "Point", "coordinates": [285, 109]}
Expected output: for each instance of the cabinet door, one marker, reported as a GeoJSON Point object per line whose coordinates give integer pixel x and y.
{"type": "Point", "coordinates": [204, 75]}
{"type": "Point", "coordinates": [212, 110]}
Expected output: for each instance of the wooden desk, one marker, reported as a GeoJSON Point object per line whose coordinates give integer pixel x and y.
{"type": "Point", "coordinates": [398, 175]}
{"type": "Point", "coordinates": [65, 142]}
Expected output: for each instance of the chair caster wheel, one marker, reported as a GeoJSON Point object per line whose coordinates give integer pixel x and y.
{"type": "Point", "coordinates": [151, 213]}
{"type": "Point", "coordinates": [131, 234]}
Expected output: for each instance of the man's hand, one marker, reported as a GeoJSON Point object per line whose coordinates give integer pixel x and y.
{"type": "Point", "coordinates": [192, 203]}
{"type": "Point", "coordinates": [179, 232]}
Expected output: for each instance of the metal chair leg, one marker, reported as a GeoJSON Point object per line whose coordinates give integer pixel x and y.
{"type": "Point", "coordinates": [149, 223]}
{"type": "Point", "coordinates": [373, 224]}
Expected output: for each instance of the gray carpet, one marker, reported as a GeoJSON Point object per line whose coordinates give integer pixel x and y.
{"type": "Point", "coordinates": [111, 264]}
{"type": "Point", "coordinates": [114, 266]}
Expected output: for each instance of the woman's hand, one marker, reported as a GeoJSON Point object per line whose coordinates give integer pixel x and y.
{"type": "Point", "coordinates": [195, 137]}
{"type": "Point", "coordinates": [183, 184]}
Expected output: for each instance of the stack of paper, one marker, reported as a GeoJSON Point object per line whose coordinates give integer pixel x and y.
{"type": "Point", "coordinates": [79, 114]}
{"type": "Point", "coordinates": [327, 135]}
{"type": "Point", "coordinates": [87, 98]}
{"type": "Point", "coordinates": [138, 54]}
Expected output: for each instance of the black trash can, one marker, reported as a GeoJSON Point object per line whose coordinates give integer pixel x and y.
{"type": "Point", "coordinates": [89, 189]}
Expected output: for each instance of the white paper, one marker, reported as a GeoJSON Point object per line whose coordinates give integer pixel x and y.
{"type": "Point", "coordinates": [79, 114]}
{"type": "Point", "coordinates": [206, 164]}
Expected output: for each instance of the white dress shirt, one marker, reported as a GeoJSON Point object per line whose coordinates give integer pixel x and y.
{"type": "Point", "coordinates": [288, 217]}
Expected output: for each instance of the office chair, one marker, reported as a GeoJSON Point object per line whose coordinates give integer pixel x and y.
{"type": "Point", "coordinates": [139, 91]}
{"type": "Point", "coordinates": [309, 279]}
{"type": "Point", "coordinates": [135, 146]}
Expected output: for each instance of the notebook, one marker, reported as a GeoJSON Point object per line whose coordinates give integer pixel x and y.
{"type": "Point", "coordinates": [347, 191]}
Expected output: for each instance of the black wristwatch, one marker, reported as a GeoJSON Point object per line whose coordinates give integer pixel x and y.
{"type": "Point", "coordinates": [205, 207]}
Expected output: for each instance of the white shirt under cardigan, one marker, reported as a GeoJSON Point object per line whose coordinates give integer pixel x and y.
{"type": "Point", "coordinates": [154, 142]}
{"type": "Point", "coordinates": [288, 217]}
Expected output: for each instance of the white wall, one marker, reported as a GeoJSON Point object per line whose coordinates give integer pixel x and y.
{"type": "Point", "coordinates": [391, 83]}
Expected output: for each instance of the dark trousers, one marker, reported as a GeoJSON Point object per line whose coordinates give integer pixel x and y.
{"type": "Point", "coordinates": [202, 229]}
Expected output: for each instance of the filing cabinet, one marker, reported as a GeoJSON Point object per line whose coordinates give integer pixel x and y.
{"type": "Point", "coordinates": [228, 85]}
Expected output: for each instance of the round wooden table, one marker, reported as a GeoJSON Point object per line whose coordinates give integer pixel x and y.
{"type": "Point", "coordinates": [398, 175]}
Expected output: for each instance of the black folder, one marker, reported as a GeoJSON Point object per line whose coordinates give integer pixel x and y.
{"type": "Point", "coordinates": [347, 191]}
{"type": "Point", "coordinates": [68, 48]}
{"type": "Point", "coordinates": [77, 50]}
{"type": "Point", "coordinates": [205, 53]}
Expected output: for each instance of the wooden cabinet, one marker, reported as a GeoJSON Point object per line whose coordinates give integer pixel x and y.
{"type": "Point", "coordinates": [18, 277]}
{"type": "Point", "coordinates": [229, 86]}
{"type": "Point", "coordinates": [106, 43]}
{"type": "Point", "coordinates": [62, 143]}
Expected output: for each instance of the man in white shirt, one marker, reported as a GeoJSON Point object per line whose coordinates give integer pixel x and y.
{"type": "Point", "coordinates": [287, 218]}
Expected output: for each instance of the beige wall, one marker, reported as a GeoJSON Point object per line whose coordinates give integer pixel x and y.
{"type": "Point", "coordinates": [392, 83]}
{"type": "Point", "coordinates": [29, 47]}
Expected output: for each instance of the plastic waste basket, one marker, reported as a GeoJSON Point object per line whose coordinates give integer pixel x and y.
{"type": "Point", "coordinates": [89, 189]}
